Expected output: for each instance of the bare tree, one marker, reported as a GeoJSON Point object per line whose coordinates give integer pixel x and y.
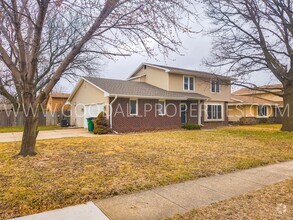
{"type": "Point", "coordinates": [44, 40]}
{"type": "Point", "coordinates": [59, 89]}
{"type": "Point", "coordinates": [2, 99]}
{"type": "Point", "coordinates": [252, 36]}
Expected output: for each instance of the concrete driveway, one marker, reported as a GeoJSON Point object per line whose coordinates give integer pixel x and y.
{"type": "Point", "coordinates": [63, 133]}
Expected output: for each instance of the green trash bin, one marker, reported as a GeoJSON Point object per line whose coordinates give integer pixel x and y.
{"type": "Point", "coordinates": [90, 124]}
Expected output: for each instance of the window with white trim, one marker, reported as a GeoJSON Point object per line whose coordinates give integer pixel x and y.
{"type": "Point", "coordinates": [215, 86]}
{"type": "Point", "coordinates": [214, 112]}
{"type": "Point", "coordinates": [188, 83]}
{"type": "Point", "coordinates": [262, 111]}
{"type": "Point", "coordinates": [133, 106]}
{"type": "Point", "coordinates": [162, 107]}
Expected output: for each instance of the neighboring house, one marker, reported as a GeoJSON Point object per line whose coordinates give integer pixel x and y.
{"type": "Point", "coordinates": [249, 106]}
{"type": "Point", "coordinates": [153, 97]}
{"type": "Point", "coordinates": [56, 102]}
{"type": "Point", "coordinates": [57, 109]}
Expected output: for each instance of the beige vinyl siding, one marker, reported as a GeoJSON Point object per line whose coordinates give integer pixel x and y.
{"type": "Point", "coordinates": [140, 79]}
{"type": "Point", "coordinates": [86, 94]}
{"type": "Point", "coordinates": [237, 112]}
{"type": "Point", "coordinates": [234, 114]}
{"type": "Point", "coordinates": [154, 76]}
{"type": "Point", "coordinates": [202, 86]}
{"type": "Point", "coordinates": [176, 82]}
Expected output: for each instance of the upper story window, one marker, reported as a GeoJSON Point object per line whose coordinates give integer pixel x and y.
{"type": "Point", "coordinates": [215, 86]}
{"type": "Point", "coordinates": [188, 83]}
{"type": "Point", "coordinates": [262, 111]}
{"type": "Point", "coordinates": [133, 106]}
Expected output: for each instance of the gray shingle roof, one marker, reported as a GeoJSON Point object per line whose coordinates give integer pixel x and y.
{"type": "Point", "coordinates": [188, 72]}
{"type": "Point", "coordinates": [139, 89]}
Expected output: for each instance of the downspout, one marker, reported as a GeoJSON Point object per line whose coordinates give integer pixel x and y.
{"type": "Point", "coordinates": [111, 111]}
{"type": "Point", "coordinates": [199, 113]}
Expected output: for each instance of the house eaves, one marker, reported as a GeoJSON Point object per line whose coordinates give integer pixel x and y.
{"type": "Point", "coordinates": [175, 70]}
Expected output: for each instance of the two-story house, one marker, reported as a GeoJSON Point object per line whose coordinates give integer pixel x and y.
{"type": "Point", "coordinates": [153, 97]}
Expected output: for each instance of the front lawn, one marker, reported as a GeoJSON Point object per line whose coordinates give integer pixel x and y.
{"type": "Point", "coordinates": [20, 129]}
{"type": "Point", "coordinates": [272, 202]}
{"type": "Point", "coordinates": [76, 170]}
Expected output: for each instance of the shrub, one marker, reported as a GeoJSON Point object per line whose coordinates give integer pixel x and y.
{"type": "Point", "coordinates": [101, 124]}
{"type": "Point", "coordinates": [263, 121]}
{"type": "Point", "coordinates": [190, 126]}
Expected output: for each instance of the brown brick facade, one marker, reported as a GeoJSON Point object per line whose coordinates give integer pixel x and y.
{"type": "Point", "coordinates": [123, 122]}
{"type": "Point", "coordinates": [149, 119]}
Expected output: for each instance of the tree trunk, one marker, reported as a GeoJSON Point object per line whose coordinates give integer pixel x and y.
{"type": "Point", "coordinates": [30, 133]}
{"type": "Point", "coordinates": [288, 108]}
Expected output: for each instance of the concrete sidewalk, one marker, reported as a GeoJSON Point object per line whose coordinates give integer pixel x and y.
{"type": "Point", "coordinates": [80, 212]}
{"type": "Point", "coordinates": [180, 198]}
{"type": "Point", "coordinates": [53, 134]}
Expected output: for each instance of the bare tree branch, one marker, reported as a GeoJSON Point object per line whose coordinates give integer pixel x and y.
{"type": "Point", "coordinates": [252, 36]}
{"type": "Point", "coordinates": [45, 40]}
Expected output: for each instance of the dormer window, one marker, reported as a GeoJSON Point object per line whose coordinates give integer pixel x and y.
{"type": "Point", "coordinates": [188, 83]}
{"type": "Point", "coordinates": [215, 86]}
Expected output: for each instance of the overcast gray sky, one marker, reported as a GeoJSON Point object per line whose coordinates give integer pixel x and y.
{"type": "Point", "coordinates": [194, 50]}
{"type": "Point", "coordinates": [193, 53]}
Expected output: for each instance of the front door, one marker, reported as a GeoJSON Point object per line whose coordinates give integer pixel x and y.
{"type": "Point", "coordinates": [183, 112]}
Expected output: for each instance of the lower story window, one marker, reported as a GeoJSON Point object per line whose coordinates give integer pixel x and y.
{"type": "Point", "coordinates": [215, 112]}
{"type": "Point", "coordinates": [133, 107]}
{"type": "Point", "coordinates": [262, 111]}
{"type": "Point", "coordinates": [162, 107]}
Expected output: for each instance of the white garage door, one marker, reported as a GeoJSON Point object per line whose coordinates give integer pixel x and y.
{"type": "Point", "coordinates": [92, 111]}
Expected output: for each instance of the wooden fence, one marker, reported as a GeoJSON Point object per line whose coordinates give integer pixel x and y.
{"type": "Point", "coordinates": [8, 119]}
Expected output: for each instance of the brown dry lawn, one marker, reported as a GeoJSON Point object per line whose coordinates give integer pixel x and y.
{"type": "Point", "coordinates": [76, 170]}
{"type": "Point", "coordinates": [20, 129]}
{"type": "Point", "coordinates": [273, 202]}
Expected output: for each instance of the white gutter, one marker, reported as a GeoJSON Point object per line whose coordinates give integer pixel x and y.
{"type": "Point", "coordinates": [158, 97]}
{"type": "Point", "coordinates": [136, 77]}
{"type": "Point", "coordinates": [111, 111]}
{"type": "Point", "coordinates": [256, 104]}
{"type": "Point", "coordinates": [237, 100]}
